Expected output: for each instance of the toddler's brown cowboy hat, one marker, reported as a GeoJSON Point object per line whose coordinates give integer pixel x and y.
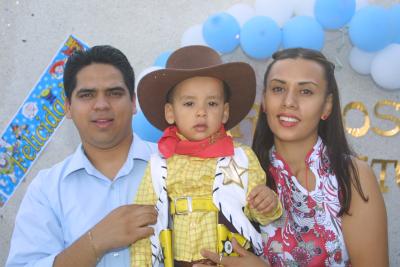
{"type": "Point", "coordinates": [192, 61]}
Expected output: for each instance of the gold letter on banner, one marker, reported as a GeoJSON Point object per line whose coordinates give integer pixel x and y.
{"type": "Point", "coordinates": [357, 132]}
{"type": "Point", "coordinates": [391, 118]}
{"type": "Point", "coordinates": [382, 174]}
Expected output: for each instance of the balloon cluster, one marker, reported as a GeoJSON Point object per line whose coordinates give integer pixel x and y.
{"type": "Point", "coordinates": [270, 25]}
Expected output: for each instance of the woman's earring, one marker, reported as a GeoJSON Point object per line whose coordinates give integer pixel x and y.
{"type": "Point", "coordinates": [324, 117]}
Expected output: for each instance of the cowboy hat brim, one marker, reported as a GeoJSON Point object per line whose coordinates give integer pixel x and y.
{"type": "Point", "coordinates": [240, 77]}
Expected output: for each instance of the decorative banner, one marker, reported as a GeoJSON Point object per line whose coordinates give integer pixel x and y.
{"type": "Point", "coordinates": [39, 116]}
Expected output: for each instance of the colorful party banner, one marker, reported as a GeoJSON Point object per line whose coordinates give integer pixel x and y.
{"type": "Point", "coordinates": [37, 119]}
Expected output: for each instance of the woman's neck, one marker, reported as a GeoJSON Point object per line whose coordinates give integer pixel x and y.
{"type": "Point", "coordinates": [295, 152]}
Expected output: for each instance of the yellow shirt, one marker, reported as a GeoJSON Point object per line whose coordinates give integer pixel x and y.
{"type": "Point", "coordinates": [192, 176]}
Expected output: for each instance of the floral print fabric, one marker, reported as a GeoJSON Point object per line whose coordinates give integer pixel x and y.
{"type": "Point", "coordinates": [309, 233]}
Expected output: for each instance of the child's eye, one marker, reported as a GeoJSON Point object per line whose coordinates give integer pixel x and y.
{"type": "Point", "coordinates": [213, 104]}
{"type": "Point", "coordinates": [188, 104]}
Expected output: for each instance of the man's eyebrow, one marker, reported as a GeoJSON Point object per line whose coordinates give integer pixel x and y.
{"type": "Point", "coordinates": [116, 89]}
{"type": "Point", "coordinates": [85, 90]}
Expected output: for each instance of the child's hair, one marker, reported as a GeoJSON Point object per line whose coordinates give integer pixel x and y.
{"type": "Point", "coordinates": [227, 93]}
{"type": "Point", "coordinates": [330, 130]}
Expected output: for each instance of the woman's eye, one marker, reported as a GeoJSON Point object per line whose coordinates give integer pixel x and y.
{"type": "Point", "coordinates": [306, 92]}
{"type": "Point", "coordinates": [277, 89]}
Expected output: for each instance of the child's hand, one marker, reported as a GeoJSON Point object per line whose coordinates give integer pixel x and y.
{"type": "Point", "coordinates": [263, 199]}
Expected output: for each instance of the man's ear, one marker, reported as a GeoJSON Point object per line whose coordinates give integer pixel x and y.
{"type": "Point", "coordinates": [134, 110]}
{"type": "Point", "coordinates": [169, 113]}
{"type": "Point", "coordinates": [67, 108]}
{"type": "Point", "coordinates": [225, 115]}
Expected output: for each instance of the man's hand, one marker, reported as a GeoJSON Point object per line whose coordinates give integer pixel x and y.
{"type": "Point", "coordinates": [123, 226]}
{"type": "Point", "coordinates": [263, 199]}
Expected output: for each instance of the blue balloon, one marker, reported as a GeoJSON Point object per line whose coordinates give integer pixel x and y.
{"type": "Point", "coordinates": [303, 31]}
{"type": "Point", "coordinates": [161, 60]}
{"type": "Point", "coordinates": [221, 32]}
{"type": "Point", "coordinates": [145, 130]}
{"type": "Point", "coordinates": [395, 22]}
{"type": "Point", "coordinates": [260, 37]}
{"type": "Point", "coordinates": [334, 14]}
{"type": "Point", "coordinates": [369, 30]}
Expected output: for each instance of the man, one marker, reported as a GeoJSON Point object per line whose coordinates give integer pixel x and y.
{"type": "Point", "coordinates": [77, 213]}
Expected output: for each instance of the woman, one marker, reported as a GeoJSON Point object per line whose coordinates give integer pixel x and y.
{"type": "Point", "coordinates": [334, 214]}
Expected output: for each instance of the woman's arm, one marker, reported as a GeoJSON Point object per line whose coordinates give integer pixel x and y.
{"type": "Point", "coordinates": [365, 227]}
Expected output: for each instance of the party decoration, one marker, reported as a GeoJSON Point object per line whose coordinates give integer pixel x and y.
{"type": "Point", "coordinates": [361, 61]}
{"type": "Point", "coordinates": [361, 3]}
{"type": "Point", "coordinates": [260, 37]}
{"type": "Point", "coordinates": [221, 32]}
{"type": "Point", "coordinates": [303, 31]}
{"type": "Point", "coordinates": [370, 29]}
{"type": "Point", "coordinates": [193, 36]}
{"type": "Point", "coordinates": [304, 7]}
{"type": "Point", "coordinates": [33, 125]}
{"type": "Point", "coordinates": [145, 129]}
{"type": "Point", "coordinates": [161, 60]}
{"type": "Point", "coordinates": [395, 22]}
{"type": "Point", "coordinates": [280, 11]}
{"type": "Point", "coordinates": [334, 14]}
{"type": "Point", "coordinates": [385, 67]}
{"type": "Point", "coordinates": [241, 12]}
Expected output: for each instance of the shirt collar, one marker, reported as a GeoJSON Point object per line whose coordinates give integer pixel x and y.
{"type": "Point", "coordinates": [312, 156]}
{"type": "Point", "coordinates": [139, 149]}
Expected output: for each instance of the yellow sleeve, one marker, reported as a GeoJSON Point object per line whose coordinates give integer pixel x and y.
{"type": "Point", "coordinates": [256, 176]}
{"type": "Point", "coordinates": [141, 250]}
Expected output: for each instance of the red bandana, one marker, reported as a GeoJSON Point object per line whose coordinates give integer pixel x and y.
{"type": "Point", "coordinates": [218, 145]}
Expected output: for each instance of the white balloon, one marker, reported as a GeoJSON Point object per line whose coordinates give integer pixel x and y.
{"type": "Point", "coordinates": [385, 67]}
{"type": "Point", "coordinates": [193, 36]}
{"type": "Point", "coordinates": [241, 12]}
{"type": "Point", "coordinates": [361, 3]}
{"type": "Point", "coordinates": [361, 61]}
{"type": "Point", "coordinates": [304, 8]}
{"type": "Point", "coordinates": [280, 11]}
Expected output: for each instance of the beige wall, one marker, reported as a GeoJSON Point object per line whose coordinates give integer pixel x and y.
{"type": "Point", "coordinates": [143, 30]}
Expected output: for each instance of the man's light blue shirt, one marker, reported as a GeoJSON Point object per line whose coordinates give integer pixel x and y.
{"type": "Point", "coordinates": [62, 203]}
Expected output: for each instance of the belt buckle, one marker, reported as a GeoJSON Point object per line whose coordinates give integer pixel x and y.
{"type": "Point", "coordinates": [189, 205]}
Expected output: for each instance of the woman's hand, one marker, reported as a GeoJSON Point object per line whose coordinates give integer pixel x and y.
{"type": "Point", "coordinates": [245, 258]}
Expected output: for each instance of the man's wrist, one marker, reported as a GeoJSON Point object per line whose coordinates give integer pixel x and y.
{"type": "Point", "coordinates": [93, 246]}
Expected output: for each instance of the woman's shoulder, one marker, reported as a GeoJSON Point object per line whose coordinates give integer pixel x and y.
{"type": "Point", "coordinates": [368, 183]}
{"type": "Point", "coordinates": [366, 175]}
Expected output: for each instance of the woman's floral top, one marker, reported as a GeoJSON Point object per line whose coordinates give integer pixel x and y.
{"type": "Point", "coordinates": [309, 233]}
